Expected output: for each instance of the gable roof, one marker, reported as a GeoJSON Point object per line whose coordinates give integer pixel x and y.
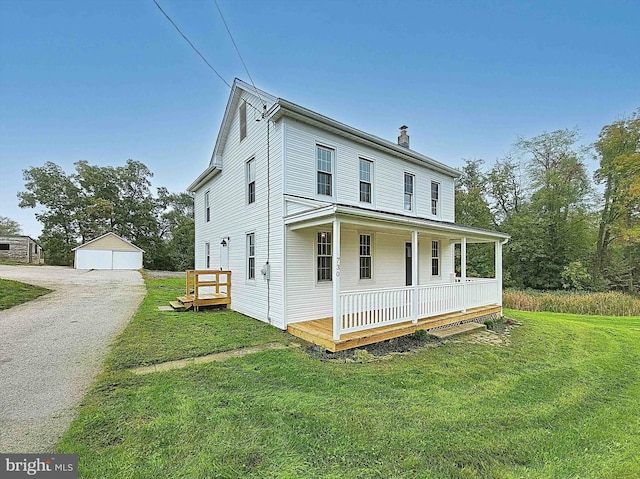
{"type": "Point", "coordinates": [275, 108]}
{"type": "Point", "coordinates": [20, 236]}
{"type": "Point", "coordinates": [104, 236]}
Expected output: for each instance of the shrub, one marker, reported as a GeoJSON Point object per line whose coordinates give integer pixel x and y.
{"type": "Point", "coordinates": [604, 304]}
{"type": "Point", "coordinates": [420, 335]}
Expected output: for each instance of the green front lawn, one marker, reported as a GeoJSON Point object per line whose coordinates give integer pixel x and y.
{"type": "Point", "coordinates": [154, 336]}
{"type": "Point", "coordinates": [561, 400]}
{"type": "Point", "coordinates": [13, 293]}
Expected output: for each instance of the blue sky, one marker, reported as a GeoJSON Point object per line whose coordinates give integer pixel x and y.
{"type": "Point", "coordinates": [108, 81]}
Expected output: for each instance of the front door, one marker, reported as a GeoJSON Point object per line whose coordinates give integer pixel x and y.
{"type": "Point", "coordinates": [407, 264]}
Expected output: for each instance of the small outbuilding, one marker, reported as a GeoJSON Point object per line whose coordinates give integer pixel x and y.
{"type": "Point", "coordinates": [21, 249]}
{"type": "Point", "coordinates": [108, 251]}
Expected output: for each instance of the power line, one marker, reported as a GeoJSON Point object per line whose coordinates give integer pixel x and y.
{"type": "Point", "coordinates": [191, 44]}
{"type": "Point", "coordinates": [238, 52]}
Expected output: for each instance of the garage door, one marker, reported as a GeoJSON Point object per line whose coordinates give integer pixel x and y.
{"type": "Point", "coordinates": [127, 260]}
{"type": "Point", "coordinates": [93, 259]}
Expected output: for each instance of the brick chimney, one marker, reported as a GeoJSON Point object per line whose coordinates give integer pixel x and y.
{"type": "Point", "coordinates": [403, 139]}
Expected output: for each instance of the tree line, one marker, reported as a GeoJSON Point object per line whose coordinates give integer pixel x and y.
{"type": "Point", "coordinates": [78, 207]}
{"type": "Point", "coordinates": [568, 230]}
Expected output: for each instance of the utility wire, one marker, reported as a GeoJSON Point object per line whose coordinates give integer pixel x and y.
{"type": "Point", "coordinates": [239, 55]}
{"type": "Point", "coordinates": [191, 44]}
{"type": "Point", "coordinates": [205, 60]}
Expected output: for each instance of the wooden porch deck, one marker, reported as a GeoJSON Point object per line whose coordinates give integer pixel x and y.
{"type": "Point", "coordinates": [320, 331]}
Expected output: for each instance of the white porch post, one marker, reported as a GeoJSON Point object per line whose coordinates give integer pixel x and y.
{"type": "Point", "coordinates": [498, 273]}
{"type": "Point", "coordinates": [463, 272]}
{"type": "Point", "coordinates": [337, 311]}
{"type": "Point", "coordinates": [414, 276]}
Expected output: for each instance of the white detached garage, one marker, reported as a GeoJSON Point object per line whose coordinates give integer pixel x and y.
{"type": "Point", "coordinates": [108, 251]}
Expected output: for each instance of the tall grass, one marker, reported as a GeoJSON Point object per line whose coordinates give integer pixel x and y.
{"type": "Point", "coordinates": [604, 304]}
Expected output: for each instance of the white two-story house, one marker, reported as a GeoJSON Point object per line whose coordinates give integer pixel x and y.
{"type": "Point", "coordinates": [339, 236]}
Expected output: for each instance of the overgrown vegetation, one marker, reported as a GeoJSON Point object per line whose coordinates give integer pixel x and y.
{"type": "Point", "coordinates": [13, 293]}
{"type": "Point", "coordinates": [606, 304]}
{"type": "Point", "coordinates": [541, 194]}
{"type": "Point", "coordinates": [560, 401]}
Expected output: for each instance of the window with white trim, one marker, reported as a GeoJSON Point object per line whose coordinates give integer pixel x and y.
{"type": "Point", "coordinates": [365, 256]}
{"type": "Point", "coordinates": [251, 256]}
{"type": "Point", "coordinates": [435, 258]}
{"type": "Point", "coordinates": [207, 255]}
{"type": "Point", "coordinates": [243, 120]}
{"type": "Point", "coordinates": [365, 180]}
{"type": "Point", "coordinates": [324, 166]}
{"type": "Point", "coordinates": [324, 256]}
{"type": "Point", "coordinates": [251, 181]}
{"type": "Point", "coordinates": [207, 208]}
{"type": "Point", "coordinates": [435, 197]}
{"type": "Point", "coordinates": [408, 191]}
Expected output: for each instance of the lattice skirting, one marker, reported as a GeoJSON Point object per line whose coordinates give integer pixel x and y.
{"type": "Point", "coordinates": [479, 319]}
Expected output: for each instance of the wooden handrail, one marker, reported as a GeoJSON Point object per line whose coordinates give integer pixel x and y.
{"type": "Point", "coordinates": [193, 283]}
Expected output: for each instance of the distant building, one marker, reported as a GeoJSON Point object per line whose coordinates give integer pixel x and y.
{"type": "Point", "coordinates": [21, 249]}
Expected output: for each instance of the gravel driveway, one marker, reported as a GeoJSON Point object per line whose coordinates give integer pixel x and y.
{"type": "Point", "coordinates": [52, 348]}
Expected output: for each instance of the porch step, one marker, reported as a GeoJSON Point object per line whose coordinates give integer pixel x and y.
{"type": "Point", "coordinates": [180, 306]}
{"type": "Point", "coordinates": [465, 328]}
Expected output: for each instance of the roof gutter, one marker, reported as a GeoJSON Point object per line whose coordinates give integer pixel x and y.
{"type": "Point", "coordinates": [284, 107]}
{"type": "Point", "coordinates": [206, 175]}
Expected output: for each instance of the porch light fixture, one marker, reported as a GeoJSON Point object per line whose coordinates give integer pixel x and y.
{"type": "Point", "coordinates": [223, 243]}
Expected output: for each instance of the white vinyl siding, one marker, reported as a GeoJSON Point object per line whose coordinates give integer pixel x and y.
{"type": "Point", "coordinates": [235, 217]}
{"type": "Point", "coordinates": [301, 174]}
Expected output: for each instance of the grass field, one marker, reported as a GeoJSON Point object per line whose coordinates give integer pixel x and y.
{"type": "Point", "coordinates": [13, 293]}
{"type": "Point", "coordinates": [561, 401]}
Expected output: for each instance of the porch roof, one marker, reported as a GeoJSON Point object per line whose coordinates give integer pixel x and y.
{"type": "Point", "coordinates": [349, 213]}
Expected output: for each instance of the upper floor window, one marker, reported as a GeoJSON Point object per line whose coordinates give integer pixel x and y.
{"type": "Point", "coordinates": [435, 258]}
{"type": "Point", "coordinates": [251, 256]}
{"type": "Point", "coordinates": [365, 180]}
{"type": "Point", "coordinates": [251, 181]}
{"type": "Point", "coordinates": [243, 120]}
{"type": "Point", "coordinates": [365, 256]}
{"type": "Point", "coordinates": [207, 255]}
{"type": "Point", "coordinates": [435, 197]}
{"type": "Point", "coordinates": [324, 166]}
{"type": "Point", "coordinates": [324, 253]}
{"type": "Point", "coordinates": [207, 208]}
{"type": "Point", "coordinates": [408, 191]}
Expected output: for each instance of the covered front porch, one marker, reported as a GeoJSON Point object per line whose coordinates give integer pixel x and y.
{"type": "Point", "coordinates": [410, 279]}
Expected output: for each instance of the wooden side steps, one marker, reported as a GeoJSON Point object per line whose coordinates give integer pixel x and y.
{"type": "Point", "coordinates": [180, 306]}
{"type": "Point", "coordinates": [217, 291]}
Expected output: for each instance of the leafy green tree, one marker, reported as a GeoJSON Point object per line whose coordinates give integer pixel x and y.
{"type": "Point", "coordinates": [95, 199]}
{"type": "Point", "coordinates": [472, 209]}
{"type": "Point", "coordinates": [618, 148]}
{"type": "Point", "coordinates": [9, 226]}
{"type": "Point", "coordinates": [560, 191]}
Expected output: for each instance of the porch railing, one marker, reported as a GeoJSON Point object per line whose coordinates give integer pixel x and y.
{"type": "Point", "coordinates": [367, 309]}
